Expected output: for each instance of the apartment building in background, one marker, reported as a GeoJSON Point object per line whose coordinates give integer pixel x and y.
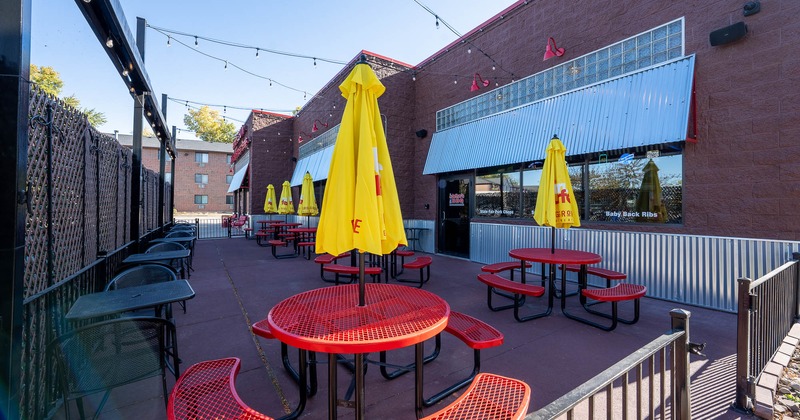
{"type": "Point", "coordinates": [203, 172]}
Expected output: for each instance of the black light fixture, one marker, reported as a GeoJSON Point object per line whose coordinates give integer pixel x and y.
{"type": "Point", "coordinates": [422, 133]}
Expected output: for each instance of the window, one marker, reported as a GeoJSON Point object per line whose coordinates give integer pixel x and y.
{"type": "Point", "coordinates": [228, 199]}
{"type": "Point", "coordinates": [228, 159]}
{"type": "Point", "coordinates": [626, 188]}
{"type": "Point", "coordinates": [201, 199]}
{"type": "Point", "coordinates": [652, 47]}
{"type": "Point", "coordinates": [201, 157]}
{"type": "Point", "coordinates": [168, 177]}
{"type": "Point", "coordinates": [201, 178]}
{"type": "Point", "coordinates": [228, 179]}
{"type": "Point", "coordinates": [497, 193]}
{"type": "Point", "coordinates": [637, 189]}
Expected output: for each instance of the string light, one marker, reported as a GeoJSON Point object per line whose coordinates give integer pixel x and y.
{"type": "Point", "coordinates": [257, 50]}
{"type": "Point", "coordinates": [226, 62]}
{"type": "Point", "coordinates": [244, 46]}
{"type": "Point", "coordinates": [169, 38]}
{"type": "Point", "coordinates": [195, 40]}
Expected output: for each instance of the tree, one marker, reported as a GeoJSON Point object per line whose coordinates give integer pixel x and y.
{"type": "Point", "coordinates": [209, 126]}
{"type": "Point", "coordinates": [48, 79]}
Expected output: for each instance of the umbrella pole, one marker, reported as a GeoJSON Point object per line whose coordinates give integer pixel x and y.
{"type": "Point", "coordinates": [361, 280]}
{"type": "Point", "coordinates": [552, 240]}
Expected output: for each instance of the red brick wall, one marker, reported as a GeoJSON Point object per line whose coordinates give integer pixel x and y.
{"type": "Point", "coordinates": [271, 151]}
{"type": "Point", "coordinates": [742, 178]}
{"type": "Point", "coordinates": [185, 188]}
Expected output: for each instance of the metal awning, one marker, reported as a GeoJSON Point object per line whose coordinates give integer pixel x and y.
{"type": "Point", "coordinates": [238, 177]}
{"type": "Point", "coordinates": [317, 164]}
{"type": "Point", "coordinates": [645, 108]}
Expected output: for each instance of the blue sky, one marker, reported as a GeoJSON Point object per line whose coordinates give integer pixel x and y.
{"type": "Point", "coordinates": [400, 29]}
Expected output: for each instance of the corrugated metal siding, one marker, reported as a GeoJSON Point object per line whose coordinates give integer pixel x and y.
{"type": "Point", "coordinates": [317, 164]}
{"type": "Point", "coordinates": [695, 270]}
{"type": "Point", "coordinates": [644, 108]}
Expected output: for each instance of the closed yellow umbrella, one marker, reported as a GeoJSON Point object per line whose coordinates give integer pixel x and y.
{"type": "Point", "coordinates": [286, 205]}
{"type": "Point", "coordinates": [555, 201]}
{"type": "Point", "coordinates": [308, 203]}
{"type": "Point", "coordinates": [649, 204]}
{"type": "Point", "coordinates": [360, 208]}
{"type": "Point", "coordinates": [270, 206]}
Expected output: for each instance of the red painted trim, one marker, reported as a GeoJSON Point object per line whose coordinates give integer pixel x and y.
{"type": "Point", "coordinates": [257, 111]}
{"type": "Point", "coordinates": [692, 137]}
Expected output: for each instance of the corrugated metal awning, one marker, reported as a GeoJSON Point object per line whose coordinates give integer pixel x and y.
{"type": "Point", "coordinates": [238, 177]}
{"type": "Point", "coordinates": [640, 109]}
{"type": "Point", "coordinates": [317, 164]}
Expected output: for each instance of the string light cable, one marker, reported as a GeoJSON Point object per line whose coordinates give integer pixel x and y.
{"type": "Point", "coordinates": [229, 63]}
{"type": "Point", "coordinates": [171, 32]}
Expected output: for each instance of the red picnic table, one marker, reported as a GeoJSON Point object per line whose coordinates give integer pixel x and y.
{"type": "Point", "coordinates": [329, 320]}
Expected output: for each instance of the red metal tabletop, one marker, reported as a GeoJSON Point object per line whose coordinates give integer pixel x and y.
{"type": "Point", "coordinates": [264, 223]}
{"type": "Point", "coordinates": [329, 319]}
{"type": "Point", "coordinates": [560, 256]}
{"type": "Point", "coordinates": [284, 224]}
{"type": "Point", "coordinates": [302, 230]}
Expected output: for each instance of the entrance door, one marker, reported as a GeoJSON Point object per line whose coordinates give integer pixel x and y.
{"type": "Point", "coordinates": [454, 211]}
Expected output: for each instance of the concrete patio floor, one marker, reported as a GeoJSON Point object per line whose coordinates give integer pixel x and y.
{"type": "Point", "coordinates": [237, 282]}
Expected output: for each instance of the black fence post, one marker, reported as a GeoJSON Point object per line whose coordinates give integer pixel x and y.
{"type": "Point", "coordinates": [682, 406]}
{"type": "Point", "coordinates": [744, 382]}
{"type": "Point", "coordinates": [15, 19]}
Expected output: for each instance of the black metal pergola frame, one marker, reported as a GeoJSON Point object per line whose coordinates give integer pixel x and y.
{"type": "Point", "coordinates": [107, 21]}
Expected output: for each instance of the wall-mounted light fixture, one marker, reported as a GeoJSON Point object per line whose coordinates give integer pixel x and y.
{"type": "Point", "coordinates": [475, 79]}
{"type": "Point", "coordinates": [315, 128]}
{"type": "Point", "coordinates": [110, 42]}
{"type": "Point", "coordinates": [304, 135]}
{"type": "Point", "coordinates": [554, 51]}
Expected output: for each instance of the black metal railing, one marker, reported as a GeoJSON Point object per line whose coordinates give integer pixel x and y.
{"type": "Point", "coordinates": [652, 382]}
{"type": "Point", "coordinates": [768, 307]}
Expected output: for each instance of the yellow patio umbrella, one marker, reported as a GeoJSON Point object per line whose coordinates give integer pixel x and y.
{"type": "Point", "coordinates": [360, 208]}
{"type": "Point", "coordinates": [286, 205]}
{"type": "Point", "coordinates": [270, 206]}
{"type": "Point", "coordinates": [649, 204]}
{"type": "Point", "coordinates": [555, 202]}
{"type": "Point", "coordinates": [308, 203]}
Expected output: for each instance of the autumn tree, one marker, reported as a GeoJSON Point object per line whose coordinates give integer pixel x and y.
{"type": "Point", "coordinates": [48, 79]}
{"type": "Point", "coordinates": [209, 126]}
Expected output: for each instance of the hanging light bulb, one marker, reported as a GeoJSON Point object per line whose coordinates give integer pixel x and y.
{"type": "Point", "coordinates": [195, 40]}
{"type": "Point", "coordinates": [270, 82]}
{"type": "Point", "coordinates": [315, 63]}
{"type": "Point", "coordinates": [109, 42]}
{"type": "Point", "coordinates": [257, 52]}
{"type": "Point", "coordinates": [226, 64]}
{"type": "Point", "coordinates": [169, 38]}
{"type": "Point", "coordinates": [455, 80]}
{"type": "Point", "coordinates": [469, 50]}
{"type": "Point", "coordinates": [437, 22]}
{"type": "Point", "coordinates": [493, 68]}
{"type": "Point", "coordinates": [304, 96]}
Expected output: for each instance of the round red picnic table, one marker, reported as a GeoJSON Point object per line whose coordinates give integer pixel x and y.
{"type": "Point", "coordinates": [554, 258]}
{"type": "Point", "coordinates": [329, 320]}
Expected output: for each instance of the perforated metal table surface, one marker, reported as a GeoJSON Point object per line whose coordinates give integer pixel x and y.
{"type": "Point", "coordinates": [329, 320]}
{"type": "Point", "coordinates": [110, 302]}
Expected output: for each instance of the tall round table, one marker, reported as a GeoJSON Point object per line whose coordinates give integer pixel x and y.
{"type": "Point", "coordinates": [329, 320]}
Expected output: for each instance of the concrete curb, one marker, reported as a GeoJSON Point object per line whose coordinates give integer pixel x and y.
{"type": "Point", "coordinates": [768, 382]}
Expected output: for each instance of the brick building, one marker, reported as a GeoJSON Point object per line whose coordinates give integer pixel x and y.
{"type": "Point", "coordinates": [203, 173]}
{"type": "Point", "coordinates": [638, 82]}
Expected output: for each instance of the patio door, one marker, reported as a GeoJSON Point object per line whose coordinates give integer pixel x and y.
{"type": "Point", "coordinates": [454, 215]}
